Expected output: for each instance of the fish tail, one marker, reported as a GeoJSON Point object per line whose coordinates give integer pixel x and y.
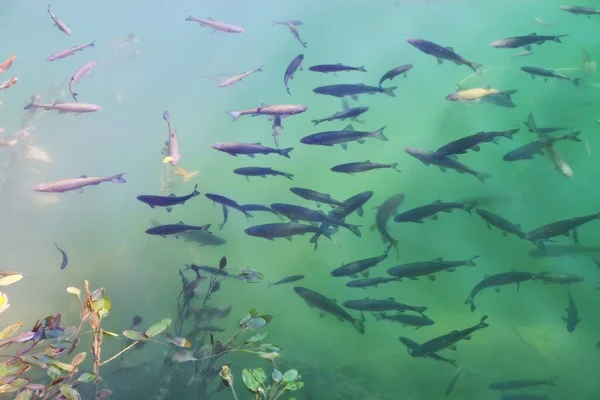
{"type": "Point", "coordinates": [74, 95]}
{"type": "Point", "coordinates": [574, 136]}
{"type": "Point", "coordinates": [269, 285]}
{"type": "Point", "coordinates": [189, 17]}
{"type": "Point", "coordinates": [286, 152]}
{"type": "Point", "coordinates": [316, 122]}
{"type": "Point", "coordinates": [475, 67]}
{"type": "Point", "coordinates": [378, 134]}
{"type": "Point", "coordinates": [195, 192]}
{"type": "Point", "coordinates": [361, 68]}
{"type": "Point", "coordinates": [167, 116]}
{"type": "Point", "coordinates": [394, 244]}
{"type": "Point", "coordinates": [234, 114]}
{"type": "Point", "coordinates": [394, 166]}
{"type": "Point", "coordinates": [557, 38]}
{"type": "Point", "coordinates": [327, 233]}
{"type": "Point", "coordinates": [468, 207]}
{"type": "Point", "coordinates": [482, 324]}
{"type": "Point", "coordinates": [118, 178]}
{"type": "Point", "coordinates": [482, 176]}
{"type": "Point", "coordinates": [289, 176]}
{"type": "Point", "coordinates": [247, 214]}
{"type": "Point", "coordinates": [471, 262]}
{"type": "Point", "coordinates": [576, 81]}
{"type": "Point", "coordinates": [260, 69]}
{"type": "Point", "coordinates": [552, 382]}
{"type": "Point", "coordinates": [390, 91]}
{"type": "Point", "coordinates": [420, 310]}
{"type": "Point", "coordinates": [354, 229]}
{"type": "Point", "coordinates": [359, 325]}
{"type": "Point", "coordinates": [509, 134]}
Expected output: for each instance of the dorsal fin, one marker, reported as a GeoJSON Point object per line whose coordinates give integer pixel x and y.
{"type": "Point", "coordinates": [450, 48]}
{"type": "Point", "coordinates": [532, 34]}
{"type": "Point", "coordinates": [172, 195]}
{"type": "Point", "coordinates": [180, 223]}
{"type": "Point", "coordinates": [437, 202]}
{"type": "Point", "coordinates": [82, 176]}
{"type": "Point", "coordinates": [439, 259]}
{"type": "Point", "coordinates": [349, 127]}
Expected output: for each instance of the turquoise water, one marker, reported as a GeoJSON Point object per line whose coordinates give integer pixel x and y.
{"type": "Point", "coordinates": [102, 230]}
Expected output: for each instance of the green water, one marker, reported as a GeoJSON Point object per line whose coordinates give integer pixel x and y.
{"type": "Point", "coordinates": [102, 230]}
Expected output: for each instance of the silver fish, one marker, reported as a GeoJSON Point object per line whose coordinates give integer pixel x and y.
{"type": "Point", "coordinates": [85, 70]}
{"type": "Point", "coordinates": [59, 24]}
{"type": "Point", "coordinates": [77, 184]}
{"type": "Point", "coordinates": [59, 55]}
{"type": "Point", "coordinates": [216, 25]}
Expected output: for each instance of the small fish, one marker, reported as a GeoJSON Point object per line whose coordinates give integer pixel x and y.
{"type": "Point", "coordinates": [524, 53]}
{"type": "Point", "coordinates": [289, 279]}
{"type": "Point", "coordinates": [65, 258]}
{"type": "Point", "coordinates": [541, 21]}
{"type": "Point", "coordinates": [216, 25]}
{"type": "Point", "coordinates": [59, 55]}
{"type": "Point", "coordinates": [5, 65]}
{"type": "Point", "coordinates": [261, 171]}
{"type": "Point", "coordinates": [167, 201]}
{"type": "Point", "coordinates": [411, 345]}
{"type": "Point", "coordinates": [443, 53]}
{"type": "Point", "coordinates": [299, 213]}
{"type": "Point", "coordinates": [580, 10]}
{"type": "Point", "coordinates": [384, 212]}
{"type": "Point", "coordinates": [286, 230]}
{"type": "Point", "coordinates": [259, 208]}
{"type": "Point", "coordinates": [547, 73]}
{"type": "Point", "coordinates": [282, 110]}
{"type": "Point", "coordinates": [448, 340]}
{"type": "Point", "coordinates": [186, 175]}
{"type": "Point", "coordinates": [77, 184]}
{"type": "Point", "coordinates": [277, 127]}
{"type": "Point", "coordinates": [353, 90]}
{"type": "Point", "coordinates": [8, 83]}
{"type": "Point", "coordinates": [559, 278]}
{"type": "Point", "coordinates": [80, 73]}
{"type": "Point", "coordinates": [62, 108]}
{"type": "Point", "coordinates": [525, 41]}
{"type": "Point", "coordinates": [136, 321]}
{"type": "Point", "coordinates": [351, 113]}
{"type": "Point", "coordinates": [414, 270]}
{"type": "Point", "coordinates": [519, 396]}
{"type": "Point", "coordinates": [339, 67]}
{"type": "Point", "coordinates": [417, 321]}
{"type": "Point", "coordinates": [572, 318]}
{"type": "Point", "coordinates": [348, 134]}
{"type": "Point", "coordinates": [172, 152]}
{"type": "Point", "coordinates": [501, 223]}
{"type": "Point", "coordinates": [418, 214]}
{"type": "Point", "coordinates": [313, 195]}
{"type": "Point", "coordinates": [368, 282]}
{"type": "Point", "coordinates": [389, 304]}
{"type": "Point", "coordinates": [559, 228]}
{"type": "Point", "coordinates": [453, 381]}
{"type": "Point", "coordinates": [210, 328]}
{"type": "Point", "coordinates": [444, 162]}
{"type": "Point", "coordinates": [249, 149]}
{"type": "Point", "coordinates": [175, 229]}
{"type": "Point", "coordinates": [497, 280]}
{"type": "Point", "coordinates": [226, 203]}
{"type": "Point", "coordinates": [293, 27]}
{"type": "Point", "coordinates": [361, 266]}
{"type": "Point", "coordinates": [520, 384]}
{"type": "Point", "coordinates": [295, 65]}
{"type": "Point", "coordinates": [392, 73]}
{"type": "Point", "coordinates": [362, 166]}
{"type": "Point", "coordinates": [237, 78]}
{"type": "Point", "coordinates": [59, 24]}
{"type": "Point", "coordinates": [472, 142]}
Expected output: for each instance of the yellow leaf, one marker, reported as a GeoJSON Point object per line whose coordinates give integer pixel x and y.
{"type": "Point", "coordinates": [64, 366]}
{"type": "Point", "coordinates": [10, 330]}
{"type": "Point", "coordinates": [10, 279]}
{"type": "Point", "coordinates": [78, 359]}
{"type": "Point", "coordinates": [110, 333]}
{"type": "Point", "coordinates": [74, 290]}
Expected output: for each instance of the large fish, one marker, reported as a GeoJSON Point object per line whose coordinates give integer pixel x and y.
{"type": "Point", "coordinates": [362, 166]}
{"type": "Point", "coordinates": [351, 113]}
{"type": "Point", "coordinates": [572, 318]}
{"type": "Point", "coordinates": [314, 299]}
{"type": "Point", "coordinates": [497, 280]}
{"type": "Point", "coordinates": [62, 108]}
{"type": "Point", "coordinates": [59, 55]}
{"type": "Point", "coordinates": [392, 73]}
{"type": "Point", "coordinates": [287, 230]}
{"type": "Point", "coordinates": [281, 110]}
{"type": "Point", "coordinates": [361, 266]}
{"type": "Point", "coordinates": [448, 340]}
{"type": "Point", "coordinates": [559, 228]}
{"type": "Point", "coordinates": [237, 78]}
{"type": "Point", "coordinates": [411, 345]}
{"type": "Point", "coordinates": [339, 67]}
{"type": "Point", "coordinates": [295, 65]}
{"type": "Point", "coordinates": [299, 213]}
{"type": "Point", "coordinates": [527, 151]}
{"type": "Point", "coordinates": [483, 95]}
{"type": "Point", "coordinates": [385, 211]}
{"type": "Point", "coordinates": [226, 203]}
{"type": "Point", "coordinates": [368, 282]}
{"type": "Point", "coordinates": [520, 384]}
{"type": "Point", "coordinates": [443, 53]}
{"type": "Point", "coordinates": [167, 201]}
{"type": "Point", "coordinates": [58, 23]}
{"type": "Point", "coordinates": [389, 304]}
{"type": "Point", "coordinates": [580, 10]}
{"type": "Point", "coordinates": [501, 223]}
{"type": "Point", "coordinates": [353, 90]}
{"type": "Point", "coordinates": [85, 70]}
{"type": "Point", "coordinates": [418, 214]}
{"type": "Point", "coordinates": [201, 237]}
{"type": "Point", "coordinates": [418, 321]}
{"type": "Point", "coordinates": [175, 229]}
{"type": "Point", "coordinates": [348, 134]}
{"type": "Point", "coordinates": [428, 268]}
{"type": "Point", "coordinates": [293, 27]}
{"type": "Point", "coordinates": [558, 278]}
{"type": "Point", "coordinates": [249, 149]}
{"type": "Point", "coordinates": [318, 197]}
{"type": "Point", "coordinates": [172, 153]}
{"type": "Point", "coordinates": [261, 171]}
{"type": "Point", "coordinates": [548, 73]}
{"type": "Point", "coordinates": [77, 184]}
{"type": "Point", "coordinates": [444, 162]}
{"type": "Point", "coordinates": [472, 142]}
{"type": "Point", "coordinates": [216, 25]}
{"type": "Point", "coordinates": [525, 41]}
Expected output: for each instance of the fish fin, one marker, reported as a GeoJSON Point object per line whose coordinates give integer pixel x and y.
{"type": "Point", "coordinates": [167, 159]}
{"type": "Point", "coordinates": [440, 61]}
{"type": "Point", "coordinates": [172, 195]}
{"type": "Point", "coordinates": [82, 176]}
{"type": "Point", "coordinates": [344, 146]}
{"type": "Point", "coordinates": [79, 190]}
{"type": "Point", "coordinates": [349, 128]}
{"type": "Point", "coordinates": [286, 152]}
{"type": "Point", "coordinates": [434, 217]}
{"type": "Point", "coordinates": [443, 169]}
{"type": "Point", "coordinates": [453, 347]}
{"type": "Point", "coordinates": [365, 274]}
{"type": "Point", "coordinates": [372, 227]}
{"type": "Point", "coordinates": [361, 141]}
{"type": "Point", "coordinates": [288, 238]}
{"type": "Point", "coordinates": [431, 277]}
{"type": "Point", "coordinates": [439, 259]}
{"type": "Point", "coordinates": [249, 155]}
{"type": "Point", "coordinates": [354, 97]}
{"type": "Point", "coordinates": [497, 289]}
{"type": "Point", "coordinates": [169, 209]}
{"type": "Point", "coordinates": [360, 211]}
{"type": "Point", "coordinates": [321, 314]}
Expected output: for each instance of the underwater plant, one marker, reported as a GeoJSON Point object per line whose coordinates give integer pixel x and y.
{"type": "Point", "coordinates": [256, 382]}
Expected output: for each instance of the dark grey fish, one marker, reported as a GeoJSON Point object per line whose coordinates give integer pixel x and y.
{"type": "Point", "coordinates": [314, 299]}
{"type": "Point", "coordinates": [286, 230]}
{"type": "Point", "coordinates": [339, 67]}
{"type": "Point", "coordinates": [351, 113]}
{"type": "Point", "coordinates": [202, 238]}
{"type": "Point", "coordinates": [249, 149]}
{"type": "Point", "coordinates": [525, 41]}
{"type": "Point", "coordinates": [501, 223]}
{"type": "Point", "coordinates": [361, 266]}
{"type": "Point", "coordinates": [353, 90]}
{"type": "Point", "coordinates": [368, 282]}
{"type": "Point", "coordinates": [545, 131]}
{"type": "Point", "coordinates": [444, 162]}
{"type": "Point", "coordinates": [206, 268]}
{"type": "Point", "coordinates": [561, 250]}
{"type": "Point", "coordinates": [261, 171]}
{"type": "Point", "coordinates": [175, 229]}
{"type": "Point", "coordinates": [315, 196]}
{"type": "Point", "coordinates": [418, 214]}
{"type": "Point", "coordinates": [385, 211]}
{"type": "Point", "coordinates": [392, 73]}
{"type": "Point", "coordinates": [572, 318]}
{"type": "Point", "coordinates": [227, 203]}
{"type": "Point", "coordinates": [548, 73]}
{"type": "Point", "coordinates": [428, 268]}
{"type": "Point", "coordinates": [519, 396]}
{"type": "Point", "coordinates": [453, 381]}
{"type": "Point", "coordinates": [299, 213]}
{"type": "Point", "coordinates": [411, 345]}
{"type": "Point", "coordinates": [521, 384]}
{"type": "Point", "coordinates": [558, 277]}
{"type": "Point", "coordinates": [289, 279]}
{"type": "Point", "coordinates": [417, 321]}
{"type": "Point", "coordinates": [167, 201]}
{"type": "Point", "coordinates": [443, 53]}
{"type": "Point", "coordinates": [527, 151]}
{"type": "Point", "coordinates": [291, 69]}
{"type": "Point", "coordinates": [348, 134]}
{"type": "Point", "coordinates": [277, 127]}
{"type": "Point", "coordinates": [472, 142]}
{"type": "Point", "coordinates": [448, 340]}
{"type": "Point", "coordinates": [497, 280]}
{"type": "Point", "coordinates": [259, 207]}
{"type": "Point", "coordinates": [389, 304]}
{"type": "Point", "coordinates": [362, 166]}
{"type": "Point", "coordinates": [580, 10]}
{"type": "Point", "coordinates": [65, 258]}
{"type": "Point", "coordinates": [564, 227]}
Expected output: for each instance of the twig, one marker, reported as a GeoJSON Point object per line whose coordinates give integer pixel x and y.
{"type": "Point", "coordinates": [119, 353]}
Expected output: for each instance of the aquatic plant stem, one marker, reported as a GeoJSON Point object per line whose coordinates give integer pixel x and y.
{"type": "Point", "coordinates": [119, 353]}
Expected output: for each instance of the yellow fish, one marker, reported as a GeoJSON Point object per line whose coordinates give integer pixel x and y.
{"type": "Point", "coordinates": [186, 175]}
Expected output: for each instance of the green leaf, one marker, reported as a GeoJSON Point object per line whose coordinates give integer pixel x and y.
{"type": "Point", "coordinates": [270, 348]}
{"type": "Point", "coordinates": [249, 380]}
{"type": "Point", "coordinates": [159, 327]}
{"type": "Point", "coordinates": [86, 377]}
{"type": "Point", "coordinates": [10, 330]}
{"type": "Point", "coordinates": [74, 291]}
{"type": "Point", "coordinates": [53, 372]}
{"type": "Point", "coordinates": [64, 366]}
{"type": "Point", "coordinates": [78, 359]}
{"type": "Point", "coordinates": [107, 333]}
{"type": "Point", "coordinates": [267, 318]}
{"type": "Point", "coordinates": [33, 361]}
{"type": "Point", "coordinates": [268, 356]}
{"type": "Point", "coordinates": [15, 385]}
{"type": "Point", "coordinates": [277, 376]}
{"type": "Point", "coordinates": [244, 319]}
{"type": "Point", "coordinates": [135, 335]}
{"type": "Point", "coordinates": [97, 294]}
{"type": "Point", "coordinates": [26, 394]}
{"type": "Point", "coordinates": [293, 386]}
{"type": "Point", "coordinates": [69, 392]}
{"type": "Point", "coordinates": [98, 305]}
{"type": "Point", "coordinates": [290, 375]}
{"type": "Point", "coordinates": [255, 323]}
{"type": "Point", "coordinates": [260, 375]}
{"type": "Point", "coordinates": [256, 338]}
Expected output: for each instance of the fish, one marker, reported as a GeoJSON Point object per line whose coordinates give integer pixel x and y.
{"type": "Point", "coordinates": [62, 108]}
{"type": "Point", "coordinates": [209, 328]}
{"type": "Point", "coordinates": [418, 214]}
{"type": "Point", "coordinates": [414, 270]}
{"type": "Point", "coordinates": [237, 78]}
{"type": "Point", "coordinates": [351, 113]}
{"type": "Point", "coordinates": [444, 162]}
{"type": "Point", "coordinates": [216, 25]}
{"type": "Point", "coordinates": [35, 153]}
{"type": "Point", "coordinates": [186, 175]}
{"type": "Point", "coordinates": [348, 134]}
{"type": "Point", "coordinates": [448, 340]}
{"type": "Point", "coordinates": [548, 73]}
{"type": "Point", "coordinates": [85, 70]}
{"type": "Point", "coordinates": [541, 21]}
{"type": "Point", "coordinates": [261, 171]}
{"type": "Point", "coordinates": [519, 396]}
{"type": "Point", "coordinates": [483, 95]}
{"type": "Point", "coordinates": [523, 54]}
{"type": "Point", "coordinates": [361, 266]}
{"type": "Point", "coordinates": [136, 321]}
{"type": "Point", "coordinates": [259, 207]}
{"type": "Point", "coordinates": [368, 282]}
{"type": "Point", "coordinates": [339, 67]}
{"type": "Point", "coordinates": [167, 201]}
{"type": "Point", "coordinates": [501, 223]}
{"type": "Point", "coordinates": [389, 304]}
{"type": "Point", "coordinates": [443, 53]}
{"type": "Point", "coordinates": [286, 230]}
{"type": "Point", "coordinates": [289, 279]}
{"type": "Point", "coordinates": [282, 110]}
{"type": "Point", "coordinates": [572, 318]}
{"type": "Point", "coordinates": [249, 149]}
{"type": "Point", "coordinates": [299, 213]}
{"type": "Point", "coordinates": [388, 209]}
{"type": "Point", "coordinates": [497, 280]}
{"type": "Point", "coordinates": [277, 127]}
{"type": "Point", "coordinates": [293, 27]}
{"type": "Point", "coordinates": [8, 83]}
{"type": "Point", "coordinates": [295, 65]}
{"type": "Point", "coordinates": [77, 184]}
{"type": "Point", "coordinates": [411, 345]}
{"type": "Point", "coordinates": [59, 55]}
{"type": "Point", "coordinates": [472, 142]}
{"type": "Point", "coordinates": [5, 65]}
{"type": "Point", "coordinates": [353, 90]}
{"type": "Point", "coordinates": [175, 229]}
{"type": "Point", "coordinates": [559, 250]}
{"type": "Point", "coordinates": [580, 10]}
{"type": "Point", "coordinates": [318, 197]}
{"type": "Point", "coordinates": [362, 166]}
{"type": "Point", "coordinates": [559, 278]}
{"type": "Point", "coordinates": [392, 73]}
{"type": "Point", "coordinates": [207, 269]}
{"type": "Point", "coordinates": [564, 227]}
{"type": "Point", "coordinates": [453, 381]}
{"type": "Point", "coordinates": [59, 24]}
{"type": "Point", "coordinates": [558, 162]}
{"type": "Point", "coordinates": [329, 306]}
{"type": "Point", "coordinates": [520, 384]}
{"type": "Point", "coordinates": [172, 145]}
{"type": "Point", "coordinates": [201, 238]}
{"type": "Point", "coordinates": [226, 203]}
{"type": "Point", "coordinates": [525, 41]}
{"type": "Point", "coordinates": [417, 321]}
{"type": "Point", "coordinates": [65, 258]}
